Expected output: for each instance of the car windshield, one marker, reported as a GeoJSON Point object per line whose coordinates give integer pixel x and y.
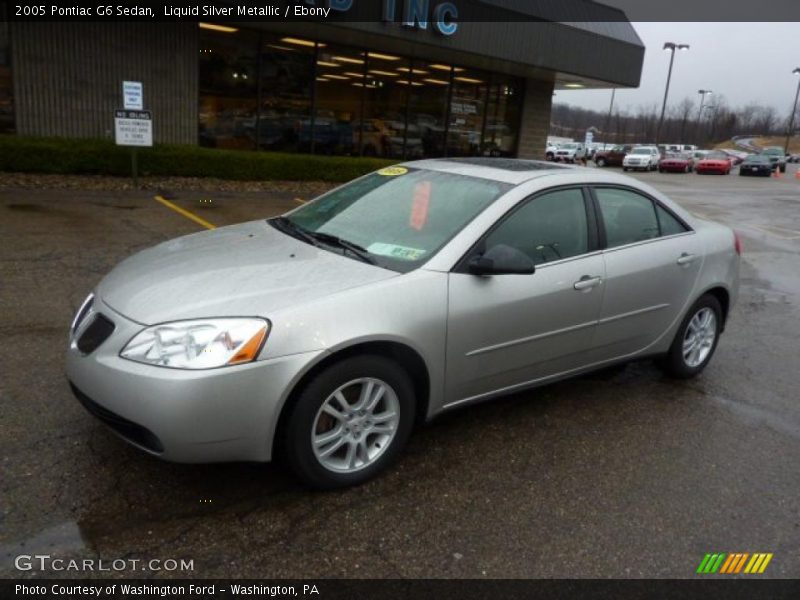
{"type": "Point", "coordinates": [757, 158]}
{"type": "Point", "coordinates": [716, 156]}
{"type": "Point", "coordinates": [641, 151]}
{"type": "Point", "coordinates": [569, 146]}
{"type": "Point", "coordinates": [773, 151]}
{"type": "Point", "coordinates": [396, 218]}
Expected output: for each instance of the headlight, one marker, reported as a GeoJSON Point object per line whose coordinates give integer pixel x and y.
{"type": "Point", "coordinates": [200, 344]}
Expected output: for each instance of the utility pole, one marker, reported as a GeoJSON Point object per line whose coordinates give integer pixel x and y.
{"type": "Point", "coordinates": [791, 117]}
{"type": "Point", "coordinates": [608, 118]}
{"type": "Point", "coordinates": [700, 112]}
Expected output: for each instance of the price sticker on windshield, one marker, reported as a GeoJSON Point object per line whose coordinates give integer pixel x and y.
{"type": "Point", "coordinates": [393, 171]}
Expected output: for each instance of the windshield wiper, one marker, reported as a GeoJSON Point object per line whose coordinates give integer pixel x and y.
{"type": "Point", "coordinates": [317, 237]}
{"type": "Point", "coordinates": [358, 251]}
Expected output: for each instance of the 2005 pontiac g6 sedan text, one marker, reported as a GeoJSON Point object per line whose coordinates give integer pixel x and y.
{"type": "Point", "coordinates": [324, 334]}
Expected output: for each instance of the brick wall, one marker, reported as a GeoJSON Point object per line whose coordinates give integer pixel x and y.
{"type": "Point", "coordinates": [535, 119]}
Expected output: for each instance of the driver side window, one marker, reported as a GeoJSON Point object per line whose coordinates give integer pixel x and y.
{"type": "Point", "coordinates": [547, 228]}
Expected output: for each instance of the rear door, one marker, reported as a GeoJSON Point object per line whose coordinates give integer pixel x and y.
{"type": "Point", "coordinates": [652, 261]}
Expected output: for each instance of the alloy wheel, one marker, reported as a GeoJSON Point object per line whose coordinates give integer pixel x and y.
{"type": "Point", "coordinates": [355, 425]}
{"type": "Point", "coordinates": [698, 341]}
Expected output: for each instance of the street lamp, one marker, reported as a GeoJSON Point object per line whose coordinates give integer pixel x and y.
{"type": "Point", "coordinates": [700, 111]}
{"type": "Point", "coordinates": [671, 46]}
{"type": "Point", "coordinates": [791, 117]}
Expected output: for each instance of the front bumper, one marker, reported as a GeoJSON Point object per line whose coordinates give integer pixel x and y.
{"type": "Point", "coordinates": [214, 415]}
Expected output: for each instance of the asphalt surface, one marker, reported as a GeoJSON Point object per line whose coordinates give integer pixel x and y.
{"type": "Point", "coordinates": [617, 474]}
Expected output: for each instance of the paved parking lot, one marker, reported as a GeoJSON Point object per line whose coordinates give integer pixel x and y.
{"type": "Point", "coordinates": [623, 474]}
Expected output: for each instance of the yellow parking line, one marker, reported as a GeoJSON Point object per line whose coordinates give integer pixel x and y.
{"type": "Point", "coordinates": [300, 200]}
{"type": "Point", "coordinates": [185, 213]}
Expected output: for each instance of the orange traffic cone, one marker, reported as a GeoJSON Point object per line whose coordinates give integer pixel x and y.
{"type": "Point", "coordinates": [777, 173]}
{"type": "Point", "coordinates": [797, 174]}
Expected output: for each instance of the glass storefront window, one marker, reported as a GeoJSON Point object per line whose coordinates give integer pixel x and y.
{"type": "Point", "coordinates": [286, 87]}
{"type": "Point", "coordinates": [6, 88]}
{"type": "Point", "coordinates": [339, 98]}
{"type": "Point", "coordinates": [228, 88]}
{"type": "Point", "coordinates": [427, 107]}
{"type": "Point", "coordinates": [502, 117]}
{"type": "Point", "coordinates": [269, 91]}
{"type": "Point", "coordinates": [383, 129]}
{"type": "Point", "coordinates": [467, 113]}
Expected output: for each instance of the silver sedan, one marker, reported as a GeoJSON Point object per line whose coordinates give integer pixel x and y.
{"type": "Point", "coordinates": [325, 334]}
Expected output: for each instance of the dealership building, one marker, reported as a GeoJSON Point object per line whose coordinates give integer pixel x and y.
{"type": "Point", "coordinates": [417, 79]}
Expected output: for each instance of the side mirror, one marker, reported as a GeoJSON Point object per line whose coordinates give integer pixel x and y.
{"type": "Point", "coordinates": [501, 260]}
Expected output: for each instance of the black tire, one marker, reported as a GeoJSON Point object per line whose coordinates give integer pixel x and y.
{"type": "Point", "coordinates": [296, 436]}
{"type": "Point", "coordinates": [674, 363]}
{"type": "Point", "coordinates": [625, 169]}
{"type": "Point", "coordinates": [782, 168]}
{"type": "Point", "coordinates": [600, 162]}
{"type": "Point", "coordinates": [660, 170]}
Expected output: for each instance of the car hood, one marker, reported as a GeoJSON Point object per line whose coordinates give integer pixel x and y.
{"type": "Point", "coordinates": [250, 269]}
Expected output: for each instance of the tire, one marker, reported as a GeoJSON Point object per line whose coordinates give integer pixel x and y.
{"type": "Point", "coordinates": [660, 170]}
{"type": "Point", "coordinates": [600, 162]}
{"type": "Point", "coordinates": [676, 364]}
{"type": "Point", "coordinates": [349, 376]}
{"type": "Point", "coordinates": [783, 169]}
{"type": "Point", "coordinates": [549, 156]}
{"type": "Point", "coordinates": [625, 169]}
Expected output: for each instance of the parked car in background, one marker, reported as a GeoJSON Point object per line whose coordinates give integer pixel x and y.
{"type": "Point", "coordinates": [699, 155]}
{"type": "Point", "coordinates": [714, 162]}
{"type": "Point", "coordinates": [570, 152]}
{"type": "Point", "coordinates": [612, 157]}
{"type": "Point", "coordinates": [676, 162]}
{"type": "Point", "coordinates": [736, 156]}
{"type": "Point", "coordinates": [756, 164]}
{"type": "Point", "coordinates": [642, 158]}
{"type": "Point", "coordinates": [341, 324]}
{"type": "Point", "coordinates": [776, 157]}
{"type": "Point", "coordinates": [793, 158]}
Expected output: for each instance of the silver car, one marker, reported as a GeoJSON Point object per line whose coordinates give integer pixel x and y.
{"type": "Point", "coordinates": [323, 335]}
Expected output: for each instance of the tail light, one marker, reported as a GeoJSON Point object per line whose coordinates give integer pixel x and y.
{"type": "Point", "coordinates": [737, 243]}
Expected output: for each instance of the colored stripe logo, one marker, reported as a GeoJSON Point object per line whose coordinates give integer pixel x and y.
{"type": "Point", "coordinates": [735, 562]}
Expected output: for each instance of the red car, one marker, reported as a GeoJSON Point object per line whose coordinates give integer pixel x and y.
{"type": "Point", "coordinates": [676, 163]}
{"type": "Point", "coordinates": [714, 162]}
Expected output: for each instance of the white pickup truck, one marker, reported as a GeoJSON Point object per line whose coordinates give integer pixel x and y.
{"type": "Point", "coordinates": [570, 152]}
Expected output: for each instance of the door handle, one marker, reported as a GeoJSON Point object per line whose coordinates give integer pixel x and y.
{"type": "Point", "coordinates": [586, 283]}
{"type": "Point", "coordinates": [686, 259]}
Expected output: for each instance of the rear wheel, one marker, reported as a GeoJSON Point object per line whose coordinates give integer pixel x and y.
{"type": "Point", "coordinates": [350, 422]}
{"type": "Point", "coordinates": [600, 162]}
{"type": "Point", "coordinates": [695, 341]}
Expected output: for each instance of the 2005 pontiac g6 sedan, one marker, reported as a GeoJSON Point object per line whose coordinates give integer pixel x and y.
{"type": "Point", "coordinates": [324, 334]}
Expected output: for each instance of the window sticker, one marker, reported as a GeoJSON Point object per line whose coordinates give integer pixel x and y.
{"type": "Point", "coordinates": [393, 171]}
{"type": "Point", "coordinates": [420, 206]}
{"type": "Point", "coordinates": [393, 251]}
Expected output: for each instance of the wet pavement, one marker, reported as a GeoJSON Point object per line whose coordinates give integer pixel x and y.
{"type": "Point", "coordinates": [616, 474]}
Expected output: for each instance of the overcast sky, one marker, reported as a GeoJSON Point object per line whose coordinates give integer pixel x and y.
{"type": "Point", "coordinates": [746, 62]}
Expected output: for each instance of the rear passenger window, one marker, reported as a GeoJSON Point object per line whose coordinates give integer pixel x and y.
{"type": "Point", "coordinates": [669, 224]}
{"type": "Point", "coordinates": [628, 217]}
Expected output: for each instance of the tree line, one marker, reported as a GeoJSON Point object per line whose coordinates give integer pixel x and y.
{"type": "Point", "coordinates": [684, 122]}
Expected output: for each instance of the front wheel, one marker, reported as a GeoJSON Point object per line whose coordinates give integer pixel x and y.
{"type": "Point", "coordinates": [695, 341]}
{"type": "Point", "coordinates": [600, 162]}
{"type": "Point", "coordinates": [350, 422]}
{"type": "Point", "coordinates": [625, 169]}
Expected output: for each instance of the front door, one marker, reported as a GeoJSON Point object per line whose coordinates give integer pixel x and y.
{"type": "Point", "coordinates": [506, 330]}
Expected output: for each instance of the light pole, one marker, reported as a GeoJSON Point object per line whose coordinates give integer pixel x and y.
{"type": "Point", "coordinates": [608, 118]}
{"type": "Point", "coordinates": [671, 46]}
{"type": "Point", "coordinates": [700, 111]}
{"type": "Point", "coordinates": [791, 117]}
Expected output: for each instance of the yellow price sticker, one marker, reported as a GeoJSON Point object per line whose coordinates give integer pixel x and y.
{"type": "Point", "coordinates": [393, 171]}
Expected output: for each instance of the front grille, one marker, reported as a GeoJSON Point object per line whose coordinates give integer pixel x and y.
{"type": "Point", "coordinates": [95, 334]}
{"type": "Point", "coordinates": [133, 432]}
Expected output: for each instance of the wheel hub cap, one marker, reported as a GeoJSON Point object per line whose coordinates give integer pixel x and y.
{"type": "Point", "coordinates": [700, 337]}
{"type": "Point", "coordinates": [355, 425]}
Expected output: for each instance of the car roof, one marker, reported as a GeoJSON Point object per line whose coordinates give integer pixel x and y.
{"type": "Point", "coordinates": [513, 171]}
